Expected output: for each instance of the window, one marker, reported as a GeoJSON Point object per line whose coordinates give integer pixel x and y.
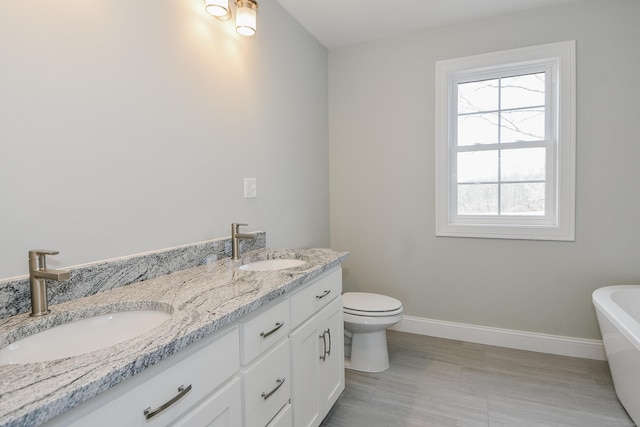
{"type": "Point", "coordinates": [505, 144]}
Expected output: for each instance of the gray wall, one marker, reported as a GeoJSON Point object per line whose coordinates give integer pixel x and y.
{"type": "Point", "coordinates": [381, 138]}
{"type": "Point", "coordinates": [128, 126]}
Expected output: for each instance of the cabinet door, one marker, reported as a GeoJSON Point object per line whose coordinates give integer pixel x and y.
{"type": "Point", "coordinates": [222, 409]}
{"type": "Point", "coordinates": [332, 367]}
{"type": "Point", "coordinates": [306, 349]}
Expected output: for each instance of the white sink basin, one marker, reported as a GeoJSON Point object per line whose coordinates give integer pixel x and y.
{"type": "Point", "coordinates": [81, 336]}
{"type": "Point", "coordinates": [272, 264]}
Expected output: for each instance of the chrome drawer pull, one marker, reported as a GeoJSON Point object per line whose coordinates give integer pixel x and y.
{"type": "Point", "coordinates": [279, 382]}
{"type": "Point", "coordinates": [327, 292]}
{"type": "Point", "coordinates": [266, 334]}
{"type": "Point", "coordinates": [148, 413]}
{"type": "Point", "coordinates": [329, 351]}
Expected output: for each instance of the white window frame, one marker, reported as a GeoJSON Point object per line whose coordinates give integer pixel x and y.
{"type": "Point", "coordinates": [558, 60]}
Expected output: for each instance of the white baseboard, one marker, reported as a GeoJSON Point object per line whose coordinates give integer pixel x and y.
{"type": "Point", "coordinates": [531, 341]}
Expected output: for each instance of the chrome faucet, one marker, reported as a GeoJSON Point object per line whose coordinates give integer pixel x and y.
{"type": "Point", "coordinates": [38, 274]}
{"type": "Point", "coordinates": [235, 236]}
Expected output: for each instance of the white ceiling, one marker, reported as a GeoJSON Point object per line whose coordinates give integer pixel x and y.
{"type": "Point", "coordinates": [337, 23]}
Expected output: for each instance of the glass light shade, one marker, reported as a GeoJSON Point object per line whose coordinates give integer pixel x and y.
{"type": "Point", "coordinates": [217, 8]}
{"type": "Point", "coordinates": [246, 18]}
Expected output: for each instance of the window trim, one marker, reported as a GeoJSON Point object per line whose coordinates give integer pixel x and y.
{"type": "Point", "coordinates": [558, 224]}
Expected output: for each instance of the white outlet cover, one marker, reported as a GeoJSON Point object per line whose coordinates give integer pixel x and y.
{"type": "Point", "coordinates": [250, 188]}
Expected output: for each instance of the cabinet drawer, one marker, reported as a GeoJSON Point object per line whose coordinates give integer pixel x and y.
{"type": "Point", "coordinates": [222, 409]}
{"type": "Point", "coordinates": [267, 385]}
{"type": "Point", "coordinates": [263, 331]}
{"type": "Point", "coordinates": [204, 371]}
{"type": "Point", "coordinates": [283, 419]}
{"type": "Point", "coordinates": [314, 297]}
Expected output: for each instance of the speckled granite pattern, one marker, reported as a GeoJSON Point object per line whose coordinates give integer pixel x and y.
{"type": "Point", "coordinates": [202, 300]}
{"type": "Point", "coordinates": [98, 277]}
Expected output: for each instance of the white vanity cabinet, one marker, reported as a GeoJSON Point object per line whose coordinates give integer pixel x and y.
{"type": "Point", "coordinates": [317, 350]}
{"type": "Point", "coordinates": [279, 366]}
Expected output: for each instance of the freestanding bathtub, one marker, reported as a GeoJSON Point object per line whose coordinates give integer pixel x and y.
{"type": "Point", "coordinates": [618, 310]}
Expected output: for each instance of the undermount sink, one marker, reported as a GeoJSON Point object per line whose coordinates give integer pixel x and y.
{"type": "Point", "coordinates": [81, 336]}
{"type": "Point", "coordinates": [272, 264]}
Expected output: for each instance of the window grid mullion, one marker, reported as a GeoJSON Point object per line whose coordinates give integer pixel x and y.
{"type": "Point", "coordinates": [499, 143]}
{"type": "Point", "coordinates": [506, 146]}
{"type": "Point", "coordinates": [475, 113]}
{"type": "Point", "coordinates": [528, 181]}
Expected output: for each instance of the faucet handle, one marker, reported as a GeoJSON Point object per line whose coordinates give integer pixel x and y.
{"type": "Point", "coordinates": [39, 255]}
{"type": "Point", "coordinates": [235, 226]}
{"type": "Point", "coordinates": [33, 253]}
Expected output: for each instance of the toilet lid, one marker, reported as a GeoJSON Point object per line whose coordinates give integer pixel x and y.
{"type": "Point", "coordinates": [364, 302]}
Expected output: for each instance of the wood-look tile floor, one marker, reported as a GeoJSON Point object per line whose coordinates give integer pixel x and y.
{"type": "Point", "coordinates": [439, 382]}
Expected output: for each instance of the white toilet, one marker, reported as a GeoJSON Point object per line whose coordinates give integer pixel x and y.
{"type": "Point", "coordinates": [366, 319]}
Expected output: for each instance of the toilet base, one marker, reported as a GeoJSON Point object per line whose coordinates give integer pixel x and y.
{"type": "Point", "coordinates": [368, 352]}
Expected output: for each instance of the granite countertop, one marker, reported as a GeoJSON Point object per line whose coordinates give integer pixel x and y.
{"type": "Point", "coordinates": [201, 299]}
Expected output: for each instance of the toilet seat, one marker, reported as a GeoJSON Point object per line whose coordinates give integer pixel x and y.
{"type": "Point", "coordinates": [370, 305]}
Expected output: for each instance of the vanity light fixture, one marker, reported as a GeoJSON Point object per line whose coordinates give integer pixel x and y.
{"type": "Point", "coordinates": [218, 8]}
{"type": "Point", "coordinates": [246, 17]}
{"type": "Point", "coordinates": [246, 11]}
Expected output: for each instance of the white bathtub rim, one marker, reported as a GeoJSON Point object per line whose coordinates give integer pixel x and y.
{"type": "Point", "coordinates": [620, 319]}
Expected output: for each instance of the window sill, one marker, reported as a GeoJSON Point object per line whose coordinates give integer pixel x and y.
{"type": "Point", "coordinates": [507, 232]}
